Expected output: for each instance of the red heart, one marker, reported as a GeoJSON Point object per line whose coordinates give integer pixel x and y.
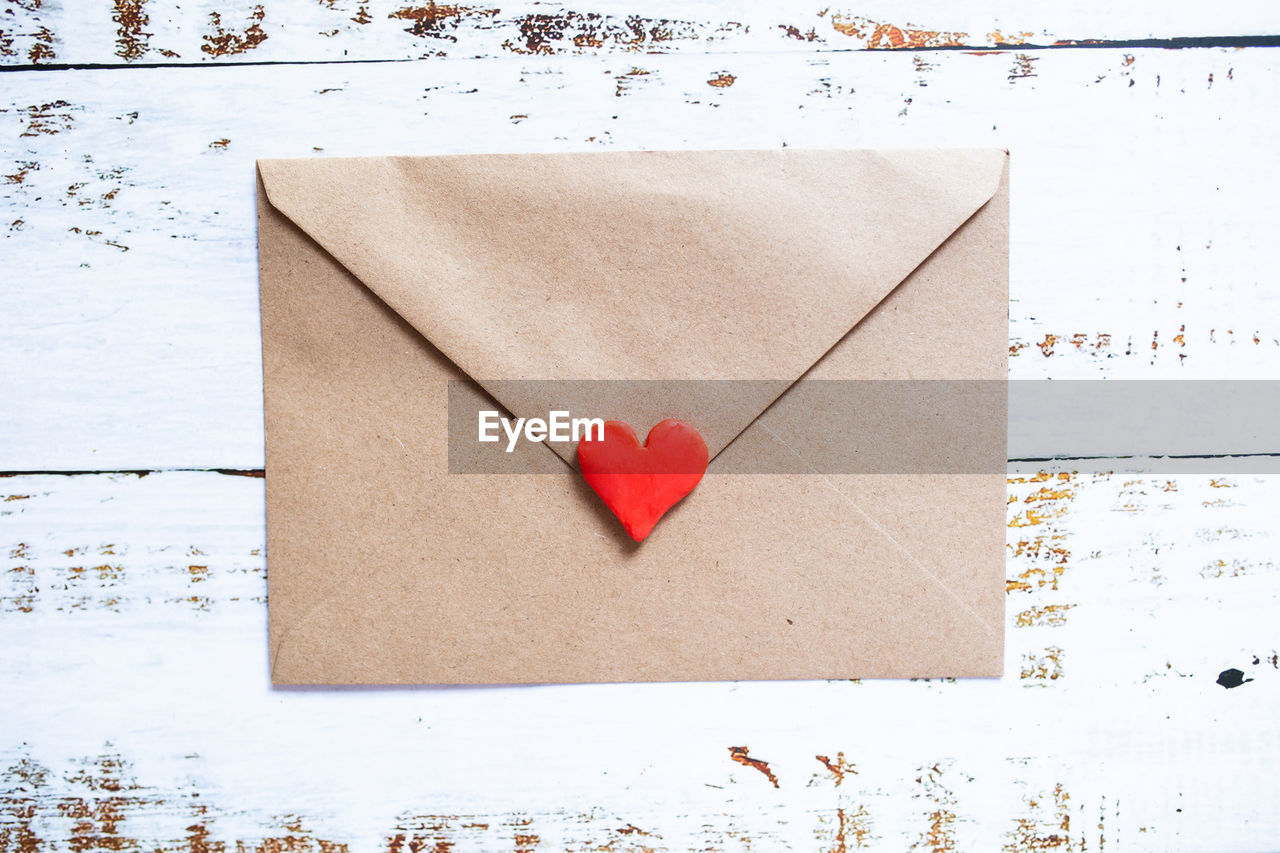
{"type": "Point", "coordinates": [637, 483]}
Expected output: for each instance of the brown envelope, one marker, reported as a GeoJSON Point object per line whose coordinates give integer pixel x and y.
{"type": "Point", "coordinates": [384, 278]}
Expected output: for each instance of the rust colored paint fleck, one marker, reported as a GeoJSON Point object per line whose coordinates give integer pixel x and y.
{"type": "Point", "coordinates": [224, 42]}
{"type": "Point", "coordinates": [526, 842]}
{"type": "Point", "coordinates": [48, 119]}
{"type": "Point", "coordinates": [795, 33]}
{"type": "Point", "coordinates": [889, 37]}
{"type": "Point", "coordinates": [553, 33]}
{"type": "Point", "coordinates": [108, 574]}
{"type": "Point", "coordinates": [849, 26]}
{"type": "Point", "coordinates": [1049, 494]}
{"type": "Point", "coordinates": [130, 17]}
{"type": "Point", "coordinates": [20, 803]}
{"type": "Point", "coordinates": [631, 829]}
{"type": "Point", "coordinates": [1042, 667]}
{"type": "Point", "coordinates": [42, 48]}
{"type": "Point", "coordinates": [940, 837]}
{"type": "Point", "coordinates": [1035, 578]}
{"type": "Point", "coordinates": [6, 44]}
{"type": "Point", "coordinates": [837, 768]}
{"type": "Point", "coordinates": [1038, 831]}
{"type": "Point", "coordinates": [741, 755]}
{"type": "Point", "coordinates": [722, 80]}
{"type": "Point", "coordinates": [436, 20]}
{"type": "Point", "coordinates": [1023, 67]}
{"type": "Point", "coordinates": [24, 168]}
{"type": "Point", "coordinates": [1051, 615]}
{"type": "Point", "coordinates": [1032, 517]}
{"type": "Point", "coordinates": [849, 829]}
{"type": "Point", "coordinates": [18, 497]}
{"type": "Point", "coordinates": [220, 143]}
{"type": "Point", "coordinates": [1046, 346]}
{"type": "Point", "coordinates": [998, 38]}
{"type": "Point", "coordinates": [624, 81]}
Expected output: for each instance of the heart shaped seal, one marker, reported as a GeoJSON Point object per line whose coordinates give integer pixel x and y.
{"type": "Point", "coordinates": [639, 484]}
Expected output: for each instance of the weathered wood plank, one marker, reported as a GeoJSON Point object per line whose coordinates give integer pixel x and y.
{"type": "Point", "coordinates": [36, 32]}
{"type": "Point", "coordinates": [1142, 242]}
{"type": "Point", "coordinates": [137, 712]}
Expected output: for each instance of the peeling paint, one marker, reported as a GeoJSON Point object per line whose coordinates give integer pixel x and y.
{"type": "Point", "coordinates": [24, 169]}
{"type": "Point", "coordinates": [1050, 615]}
{"type": "Point", "coordinates": [995, 37]}
{"type": "Point", "coordinates": [1038, 831]}
{"type": "Point", "coordinates": [837, 767]}
{"type": "Point", "coordinates": [224, 42]}
{"type": "Point", "coordinates": [741, 755]}
{"type": "Point", "coordinates": [554, 33]}
{"type": "Point", "coordinates": [810, 35]}
{"type": "Point", "coordinates": [48, 119]}
{"type": "Point", "coordinates": [940, 835]}
{"type": "Point", "coordinates": [56, 579]}
{"type": "Point", "coordinates": [623, 83]}
{"type": "Point", "coordinates": [1042, 667]}
{"type": "Point", "coordinates": [722, 80]}
{"type": "Point", "coordinates": [130, 18]}
{"type": "Point", "coordinates": [1023, 67]}
{"type": "Point", "coordinates": [1097, 344]}
{"type": "Point", "coordinates": [880, 36]}
{"type": "Point", "coordinates": [1236, 568]}
{"type": "Point", "coordinates": [42, 47]}
{"type": "Point", "coordinates": [438, 20]}
{"type": "Point", "coordinates": [849, 828]}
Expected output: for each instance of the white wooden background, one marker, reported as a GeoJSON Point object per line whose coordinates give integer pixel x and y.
{"type": "Point", "coordinates": [135, 706]}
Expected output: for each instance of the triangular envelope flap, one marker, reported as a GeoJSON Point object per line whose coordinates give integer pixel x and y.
{"type": "Point", "coordinates": [635, 265]}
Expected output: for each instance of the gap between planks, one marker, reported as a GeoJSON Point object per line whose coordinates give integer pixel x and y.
{"type": "Point", "coordinates": [1173, 43]}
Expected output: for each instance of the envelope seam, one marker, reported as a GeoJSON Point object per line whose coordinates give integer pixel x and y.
{"type": "Point", "coordinates": [919, 565]}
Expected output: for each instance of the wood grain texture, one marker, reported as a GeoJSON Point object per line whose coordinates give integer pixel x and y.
{"type": "Point", "coordinates": [135, 706]}
{"type": "Point", "coordinates": [139, 715]}
{"type": "Point", "coordinates": [120, 32]}
{"type": "Point", "coordinates": [1142, 210]}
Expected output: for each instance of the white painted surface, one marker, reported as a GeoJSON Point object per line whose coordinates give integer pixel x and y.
{"type": "Point", "coordinates": [94, 31]}
{"type": "Point", "coordinates": [132, 621]}
{"type": "Point", "coordinates": [132, 342]}
{"type": "Point", "coordinates": [126, 650]}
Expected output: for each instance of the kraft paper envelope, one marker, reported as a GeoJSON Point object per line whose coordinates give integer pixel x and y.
{"type": "Point", "coordinates": [382, 279]}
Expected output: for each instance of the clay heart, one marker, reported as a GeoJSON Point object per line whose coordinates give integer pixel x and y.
{"type": "Point", "coordinates": [639, 484]}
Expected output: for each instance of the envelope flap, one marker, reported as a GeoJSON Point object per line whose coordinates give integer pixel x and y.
{"type": "Point", "coordinates": [636, 265]}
